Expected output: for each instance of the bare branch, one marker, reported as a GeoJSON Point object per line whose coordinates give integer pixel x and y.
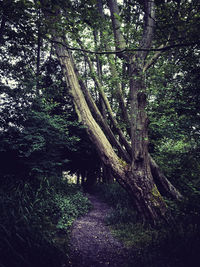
{"type": "Point", "coordinates": [163, 49]}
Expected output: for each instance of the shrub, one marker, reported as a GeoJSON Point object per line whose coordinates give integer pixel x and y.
{"type": "Point", "coordinates": [177, 244]}
{"type": "Point", "coordinates": [35, 221]}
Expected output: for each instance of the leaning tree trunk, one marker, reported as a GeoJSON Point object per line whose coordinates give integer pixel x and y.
{"type": "Point", "coordinates": [134, 178]}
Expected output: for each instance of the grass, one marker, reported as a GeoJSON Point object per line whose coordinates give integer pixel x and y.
{"type": "Point", "coordinates": [172, 245]}
{"type": "Point", "coordinates": [35, 221]}
{"type": "Point", "coordinates": [133, 234]}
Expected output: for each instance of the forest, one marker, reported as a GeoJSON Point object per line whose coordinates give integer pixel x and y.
{"type": "Point", "coordinates": [99, 116]}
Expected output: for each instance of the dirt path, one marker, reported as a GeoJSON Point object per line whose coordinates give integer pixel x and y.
{"type": "Point", "coordinates": [91, 241]}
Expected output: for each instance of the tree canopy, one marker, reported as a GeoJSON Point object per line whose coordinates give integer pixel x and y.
{"type": "Point", "coordinates": [131, 69]}
{"type": "Point", "coordinates": [107, 90]}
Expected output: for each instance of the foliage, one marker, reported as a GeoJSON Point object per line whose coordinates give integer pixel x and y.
{"type": "Point", "coordinates": [174, 116]}
{"type": "Point", "coordinates": [172, 82]}
{"type": "Point", "coordinates": [35, 222]}
{"type": "Point", "coordinates": [38, 146]}
{"type": "Point", "coordinates": [167, 245]}
{"type": "Point", "coordinates": [117, 197]}
{"type": "Point", "coordinates": [40, 135]}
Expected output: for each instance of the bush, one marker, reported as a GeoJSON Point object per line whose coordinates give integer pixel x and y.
{"type": "Point", "coordinates": [177, 244]}
{"type": "Point", "coordinates": [35, 221]}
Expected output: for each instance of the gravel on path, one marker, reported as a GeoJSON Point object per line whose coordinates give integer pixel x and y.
{"type": "Point", "coordinates": [92, 244]}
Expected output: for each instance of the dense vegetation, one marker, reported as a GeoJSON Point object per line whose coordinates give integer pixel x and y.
{"type": "Point", "coordinates": [41, 137]}
{"type": "Point", "coordinates": [35, 221]}
{"type": "Point", "coordinates": [113, 61]}
{"type": "Point", "coordinates": [167, 245]}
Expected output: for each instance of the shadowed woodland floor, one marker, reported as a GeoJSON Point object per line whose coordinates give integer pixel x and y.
{"type": "Point", "coordinates": [91, 241]}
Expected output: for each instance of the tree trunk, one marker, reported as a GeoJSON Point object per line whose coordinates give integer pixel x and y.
{"type": "Point", "coordinates": [136, 179]}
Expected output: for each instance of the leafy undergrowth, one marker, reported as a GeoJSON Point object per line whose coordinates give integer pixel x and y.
{"type": "Point", "coordinates": [35, 222]}
{"type": "Point", "coordinates": [172, 245]}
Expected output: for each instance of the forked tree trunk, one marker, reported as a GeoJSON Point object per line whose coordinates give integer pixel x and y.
{"type": "Point", "coordinates": [135, 174]}
{"type": "Point", "coordinates": [135, 178]}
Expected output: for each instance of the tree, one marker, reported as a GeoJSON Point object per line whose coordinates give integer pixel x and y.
{"type": "Point", "coordinates": [36, 111]}
{"type": "Point", "coordinates": [122, 148]}
{"type": "Point", "coordinates": [106, 61]}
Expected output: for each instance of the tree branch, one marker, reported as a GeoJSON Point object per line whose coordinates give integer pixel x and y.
{"type": "Point", "coordinates": [130, 50]}
{"type": "Point", "coordinates": [120, 43]}
{"type": "Point", "coordinates": [162, 181]}
{"type": "Point", "coordinates": [149, 23]}
{"type": "Point", "coordinates": [101, 121]}
{"type": "Point", "coordinates": [113, 72]}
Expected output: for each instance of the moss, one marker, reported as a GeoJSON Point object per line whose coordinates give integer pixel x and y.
{"type": "Point", "coordinates": [123, 163]}
{"type": "Point", "coordinates": [133, 234]}
{"type": "Point", "coordinates": [155, 191]}
{"type": "Point", "coordinates": [156, 196]}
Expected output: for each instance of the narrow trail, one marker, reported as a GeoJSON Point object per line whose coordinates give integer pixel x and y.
{"type": "Point", "coordinates": [91, 241]}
